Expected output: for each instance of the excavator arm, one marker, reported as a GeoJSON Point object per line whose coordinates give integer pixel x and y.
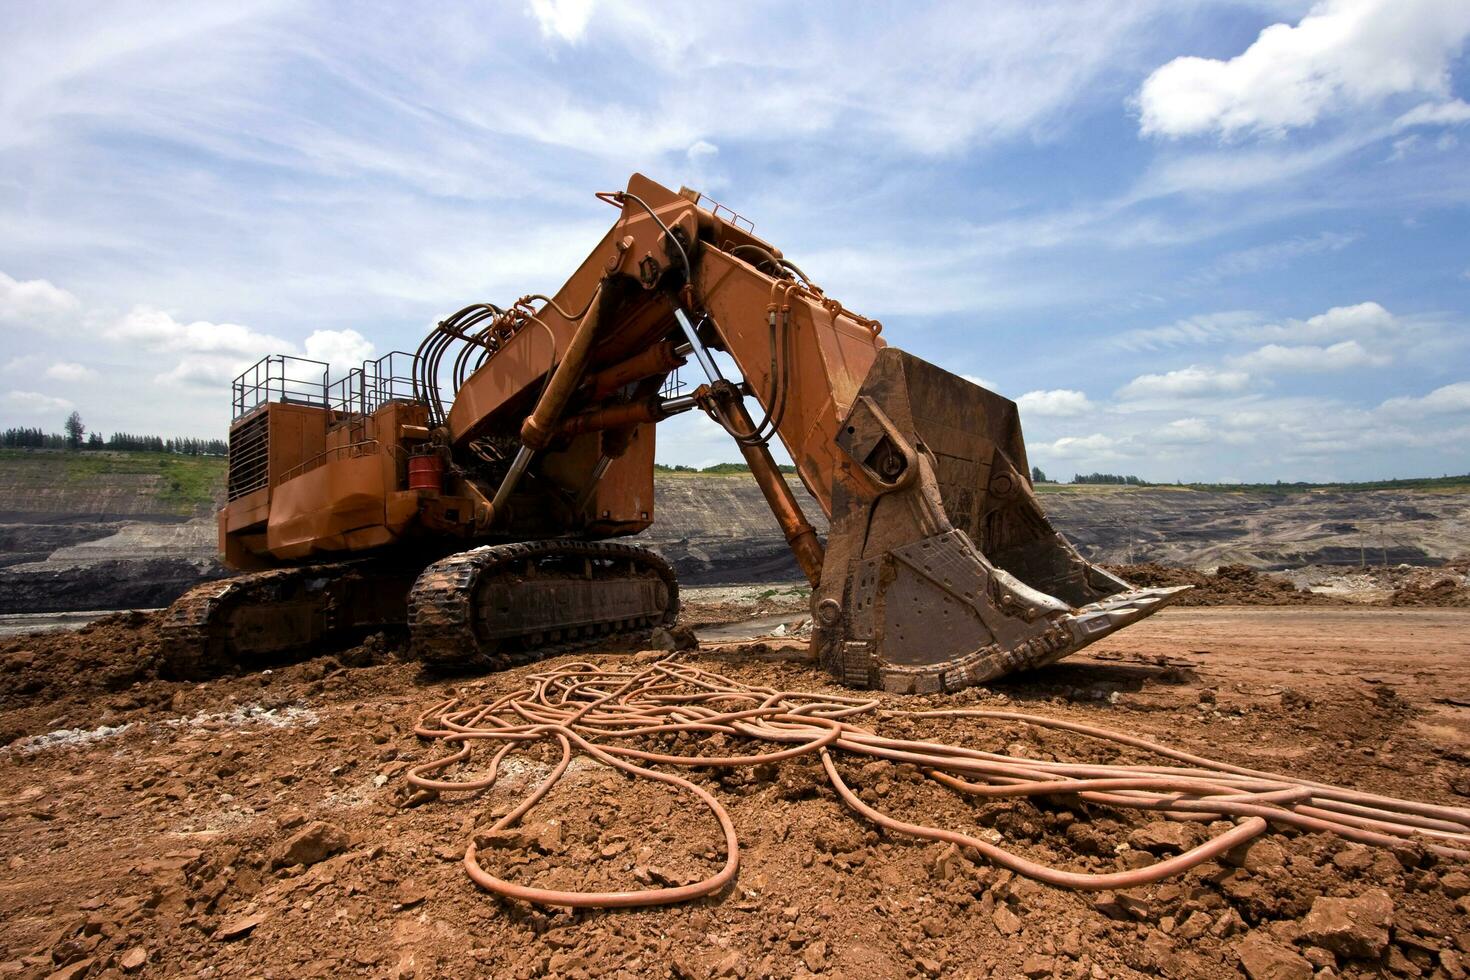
{"type": "Point", "coordinates": [940, 569]}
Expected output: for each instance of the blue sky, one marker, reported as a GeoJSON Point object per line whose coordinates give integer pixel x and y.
{"type": "Point", "coordinates": [1194, 240]}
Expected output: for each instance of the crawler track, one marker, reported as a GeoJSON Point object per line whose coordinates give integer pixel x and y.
{"type": "Point", "coordinates": [249, 620]}
{"type": "Point", "coordinates": [502, 605]}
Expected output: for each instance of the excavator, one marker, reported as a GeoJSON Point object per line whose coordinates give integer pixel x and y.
{"type": "Point", "coordinates": [488, 521]}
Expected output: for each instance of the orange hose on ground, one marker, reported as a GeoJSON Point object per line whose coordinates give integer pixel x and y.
{"type": "Point", "coordinates": [586, 709]}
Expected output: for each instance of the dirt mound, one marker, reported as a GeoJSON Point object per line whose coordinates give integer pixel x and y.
{"type": "Point", "coordinates": [1230, 585]}
{"type": "Point", "coordinates": [107, 655]}
{"type": "Point", "coordinates": [1445, 591]}
{"type": "Point", "coordinates": [111, 671]}
{"type": "Point", "coordinates": [259, 824]}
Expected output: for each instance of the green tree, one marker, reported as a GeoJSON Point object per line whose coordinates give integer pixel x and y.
{"type": "Point", "coordinates": [1037, 476]}
{"type": "Point", "coordinates": [75, 430]}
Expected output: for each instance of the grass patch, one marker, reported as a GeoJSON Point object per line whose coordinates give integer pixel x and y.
{"type": "Point", "coordinates": [803, 591]}
{"type": "Point", "coordinates": [184, 485]}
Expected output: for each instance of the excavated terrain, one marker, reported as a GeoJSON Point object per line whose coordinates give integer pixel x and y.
{"type": "Point", "coordinates": [68, 547]}
{"type": "Point", "coordinates": [1262, 530]}
{"type": "Point", "coordinates": [259, 825]}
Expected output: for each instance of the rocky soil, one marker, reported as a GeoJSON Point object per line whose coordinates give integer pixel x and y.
{"type": "Point", "coordinates": [1239, 585]}
{"type": "Point", "coordinates": [258, 825]}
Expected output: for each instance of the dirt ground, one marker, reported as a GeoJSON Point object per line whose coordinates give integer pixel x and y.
{"type": "Point", "coordinates": [258, 825]}
{"type": "Point", "coordinates": [1238, 585]}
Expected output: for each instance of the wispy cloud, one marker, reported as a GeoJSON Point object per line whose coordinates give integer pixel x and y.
{"type": "Point", "coordinates": [1341, 356]}
{"type": "Point", "coordinates": [1195, 381]}
{"type": "Point", "coordinates": [1271, 255]}
{"type": "Point", "coordinates": [281, 177]}
{"type": "Point", "coordinates": [32, 403]}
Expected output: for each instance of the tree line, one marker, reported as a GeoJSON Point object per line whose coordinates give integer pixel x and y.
{"type": "Point", "coordinates": [1131, 481]}
{"type": "Point", "coordinates": [75, 437]}
{"type": "Point", "coordinates": [718, 468]}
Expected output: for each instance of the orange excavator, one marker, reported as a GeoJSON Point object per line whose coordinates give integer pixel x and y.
{"type": "Point", "coordinates": [487, 521]}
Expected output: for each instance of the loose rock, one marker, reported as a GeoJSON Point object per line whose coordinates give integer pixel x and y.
{"type": "Point", "coordinates": [1353, 927]}
{"type": "Point", "coordinates": [314, 843]}
{"type": "Point", "coordinates": [1263, 959]}
{"type": "Point", "coordinates": [240, 926]}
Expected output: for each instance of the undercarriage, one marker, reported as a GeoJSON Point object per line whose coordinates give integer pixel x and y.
{"type": "Point", "coordinates": [490, 607]}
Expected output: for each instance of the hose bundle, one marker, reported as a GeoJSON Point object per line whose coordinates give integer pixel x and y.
{"type": "Point", "coordinates": [467, 327]}
{"type": "Point", "coordinates": [610, 715]}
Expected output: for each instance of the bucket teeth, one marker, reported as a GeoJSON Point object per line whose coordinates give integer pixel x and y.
{"type": "Point", "coordinates": [1098, 619]}
{"type": "Point", "coordinates": [1064, 637]}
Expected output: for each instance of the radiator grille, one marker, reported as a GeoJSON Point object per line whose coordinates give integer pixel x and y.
{"type": "Point", "coordinates": [249, 456]}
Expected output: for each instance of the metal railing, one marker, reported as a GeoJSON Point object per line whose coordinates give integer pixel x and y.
{"type": "Point", "coordinates": [367, 447]}
{"type": "Point", "coordinates": [389, 378]}
{"type": "Point", "coordinates": [720, 211]}
{"type": "Point", "coordinates": [279, 378]}
{"type": "Point", "coordinates": [302, 381]}
{"type": "Point", "coordinates": [348, 395]}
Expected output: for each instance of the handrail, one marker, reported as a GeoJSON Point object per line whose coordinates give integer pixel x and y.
{"type": "Point", "coordinates": [312, 463]}
{"type": "Point", "coordinates": [278, 377]}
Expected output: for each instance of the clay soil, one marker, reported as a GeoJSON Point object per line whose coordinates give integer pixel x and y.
{"type": "Point", "coordinates": [1239, 585]}
{"type": "Point", "coordinates": [258, 825]}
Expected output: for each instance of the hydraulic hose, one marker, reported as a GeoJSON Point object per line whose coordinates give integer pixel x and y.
{"type": "Point", "coordinates": [612, 716]}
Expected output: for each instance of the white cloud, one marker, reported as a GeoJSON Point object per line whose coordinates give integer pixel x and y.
{"type": "Point", "coordinates": [1234, 170]}
{"type": "Point", "coordinates": [1450, 399]}
{"type": "Point", "coordinates": [1096, 447]}
{"type": "Point", "coordinates": [1368, 322]}
{"type": "Point", "coordinates": [1190, 382]}
{"type": "Point", "coordinates": [565, 19]}
{"type": "Point", "coordinates": [1096, 441]}
{"type": "Point", "coordinates": [342, 349]}
{"type": "Point", "coordinates": [1363, 321]}
{"type": "Point", "coordinates": [1057, 403]}
{"type": "Point", "coordinates": [701, 150]}
{"type": "Point", "coordinates": [1190, 431]}
{"type": "Point", "coordinates": [1343, 54]}
{"type": "Point", "coordinates": [1448, 113]}
{"type": "Point", "coordinates": [34, 302]}
{"type": "Point", "coordinates": [1340, 356]}
{"type": "Point", "coordinates": [214, 354]}
{"type": "Point", "coordinates": [209, 354]}
{"type": "Point", "coordinates": [975, 379]}
{"type": "Point", "coordinates": [25, 363]}
{"type": "Point", "coordinates": [1403, 147]}
{"type": "Point", "coordinates": [70, 371]}
{"type": "Point", "coordinates": [158, 330]}
{"type": "Point", "coordinates": [212, 373]}
{"type": "Point", "coordinates": [35, 403]}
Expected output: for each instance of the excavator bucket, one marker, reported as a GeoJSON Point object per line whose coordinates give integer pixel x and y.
{"type": "Point", "coordinates": [941, 568]}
